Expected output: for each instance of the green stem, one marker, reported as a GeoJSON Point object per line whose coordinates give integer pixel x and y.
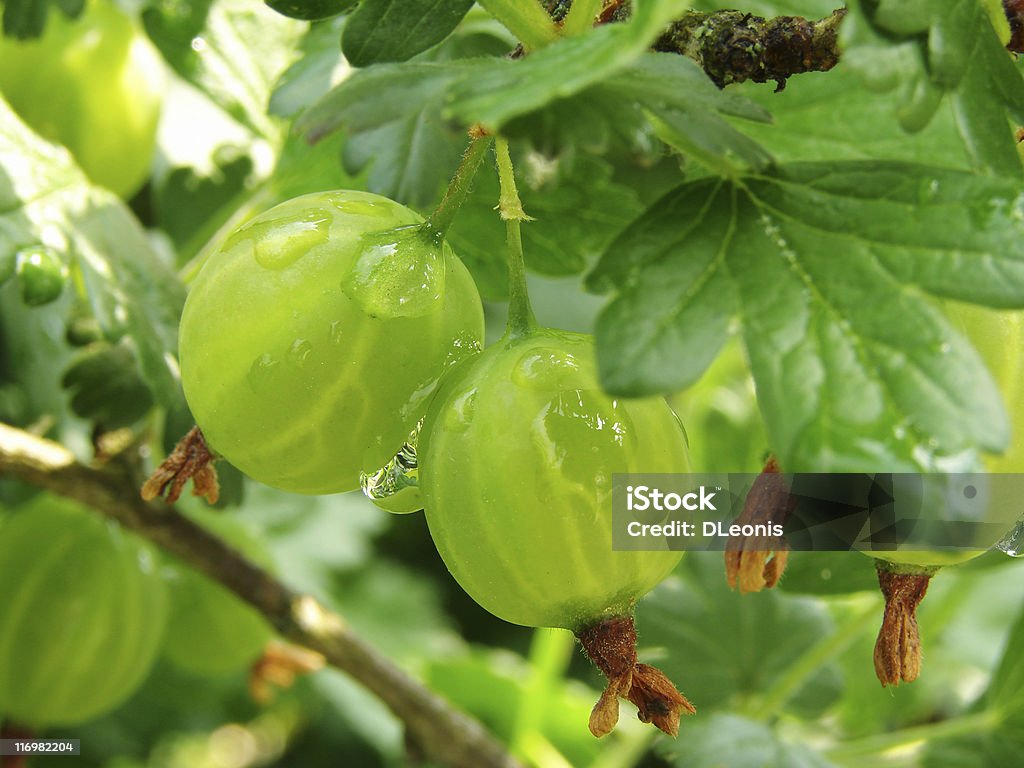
{"type": "Point", "coordinates": [966, 725]}
{"type": "Point", "coordinates": [520, 313]}
{"type": "Point", "coordinates": [774, 699]}
{"type": "Point", "coordinates": [525, 19]}
{"type": "Point", "coordinates": [550, 654]}
{"type": "Point", "coordinates": [628, 750]}
{"type": "Point", "coordinates": [581, 17]}
{"type": "Point", "coordinates": [537, 750]}
{"type": "Point", "coordinates": [443, 216]}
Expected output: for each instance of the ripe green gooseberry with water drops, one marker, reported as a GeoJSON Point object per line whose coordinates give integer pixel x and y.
{"type": "Point", "coordinates": [313, 338]}
{"type": "Point", "coordinates": [94, 84]}
{"type": "Point", "coordinates": [82, 615]}
{"type": "Point", "coordinates": [999, 338]}
{"type": "Point", "coordinates": [904, 575]}
{"type": "Point", "coordinates": [516, 456]}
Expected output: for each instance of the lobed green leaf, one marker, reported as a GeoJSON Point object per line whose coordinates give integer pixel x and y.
{"type": "Point", "coordinates": [829, 269]}
{"type": "Point", "coordinates": [962, 55]}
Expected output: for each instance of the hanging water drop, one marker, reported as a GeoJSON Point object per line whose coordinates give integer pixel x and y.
{"type": "Point", "coordinates": [1013, 542]}
{"type": "Point", "coordinates": [395, 486]}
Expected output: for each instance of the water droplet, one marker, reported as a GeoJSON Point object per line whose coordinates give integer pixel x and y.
{"type": "Point", "coordinates": [298, 353]}
{"type": "Point", "coordinates": [277, 242]}
{"type": "Point", "coordinates": [262, 372]}
{"type": "Point", "coordinates": [459, 417]}
{"type": "Point", "coordinates": [398, 273]}
{"type": "Point", "coordinates": [1013, 542]}
{"type": "Point", "coordinates": [198, 44]}
{"type": "Point", "coordinates": [336, 332]}
{"type": "Point", "coordinates": [464, 345]}
{"type": "Point", "coordinates": [395, 486]}
{"type": "Point", "coordinates": [550, 369]}
{"type": "Point", "coordinates": [356, 207]}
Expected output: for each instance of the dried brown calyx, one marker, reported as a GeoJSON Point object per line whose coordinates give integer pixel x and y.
{"type": "Point", "coordinates": [278, 667]}
{"type": "Point", "coordinates": [611, 645]}
{"type": "Point", "coordinates": [753, 563]}
{"type": "Point", "coordinates": [898, 648]}
{"type": "Point", "coordinates": [191, 458]}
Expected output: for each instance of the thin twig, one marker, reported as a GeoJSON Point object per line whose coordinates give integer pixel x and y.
{"type": "Point", "coordinates": [436, 731]}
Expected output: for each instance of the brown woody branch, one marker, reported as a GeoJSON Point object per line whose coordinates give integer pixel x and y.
{"type": "Point", "coordinates": [435, 730]}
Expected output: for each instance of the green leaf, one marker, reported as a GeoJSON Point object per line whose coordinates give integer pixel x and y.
{"type": "Point", "coordinates": [1006, 692]}
{"type": "Point", "coordinates": [829, 573]}
{"type": "Point", "coordinates": [840, 115]}
{"type": "Point", "coordinates": [117, 273]}
{"type": "Point", "coordinates": [310, 10]}
{"type": "Point", "coordinates": [964, 57]}
{"type": "Point", "coordinates": [408, 160]}
{"type": "Point", "coordinates": [233, 50]}
{"type": "Point", "coordinates": [397, 30]}
{"type": "Point", "coordinates": [105, 387]}
{"type": "Point", "coordinates": [314, 537]}
{"type": "Point", "coordinates": [662, 93]}
{"type": "Point", "coordinates": [313, 74]}
{"type": "Point", "coordinates": [717, 645]}
{"type": "Point", "coordinates": [828, 268]}
{"type": "Point", "coordinates": [577, 207]}
{"type": "Point", "coordinates": [723, 425]}
{"type": "Point", "coordinates": [190, 203]}
{"type": "Point", "coordinates": [500, 90]}
{"type": "Point", "coordinates": [390, 112]}
{"type": "Point", "coordinates": [729, 740]}
{"type": "Point", "coordinates": [675, 300]}
{"type": "Point", "coordinates": [491, 686]}
{"type": "Point", "coordinates": [25, 19]}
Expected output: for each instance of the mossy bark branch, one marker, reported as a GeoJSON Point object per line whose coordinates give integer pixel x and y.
{"type": "Point", "coordinates": [735, 46]}
{"type": "Point", "coordinates": [437, 731]}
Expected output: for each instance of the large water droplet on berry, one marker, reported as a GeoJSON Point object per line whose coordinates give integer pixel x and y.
{"type": "Point", "coordinates": [263, 372]}
{"type": "Point", "coordinates": [395, 486]}
{"type": "Point", "coordinates": [1013, 542]}
{"type": "Point", "coordinates": [398, 273]}
{"type": "Point", "coordinates": [279, 242]}
{"type": "Point", "coordinates": [299, 352]}
{"type": "Point", "coordinates": [551, 369]}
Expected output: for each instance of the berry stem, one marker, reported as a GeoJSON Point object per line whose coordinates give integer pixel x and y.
{"type": "Point", "coordinates": [526, 19]}
{"type": "Point", "coordinates": [441, 219]}
{"type": "Point", "coordinates": [520, 313]}
{"type": "Point", "coordinates": [550, 654]}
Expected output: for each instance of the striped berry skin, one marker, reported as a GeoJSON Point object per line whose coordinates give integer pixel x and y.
{"type": "Point", "coordinates": [516, 461]}
{"type": "Point", "coordinates": [82, 616]}
{"type": "Point", "coordinates": [313, 339]}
